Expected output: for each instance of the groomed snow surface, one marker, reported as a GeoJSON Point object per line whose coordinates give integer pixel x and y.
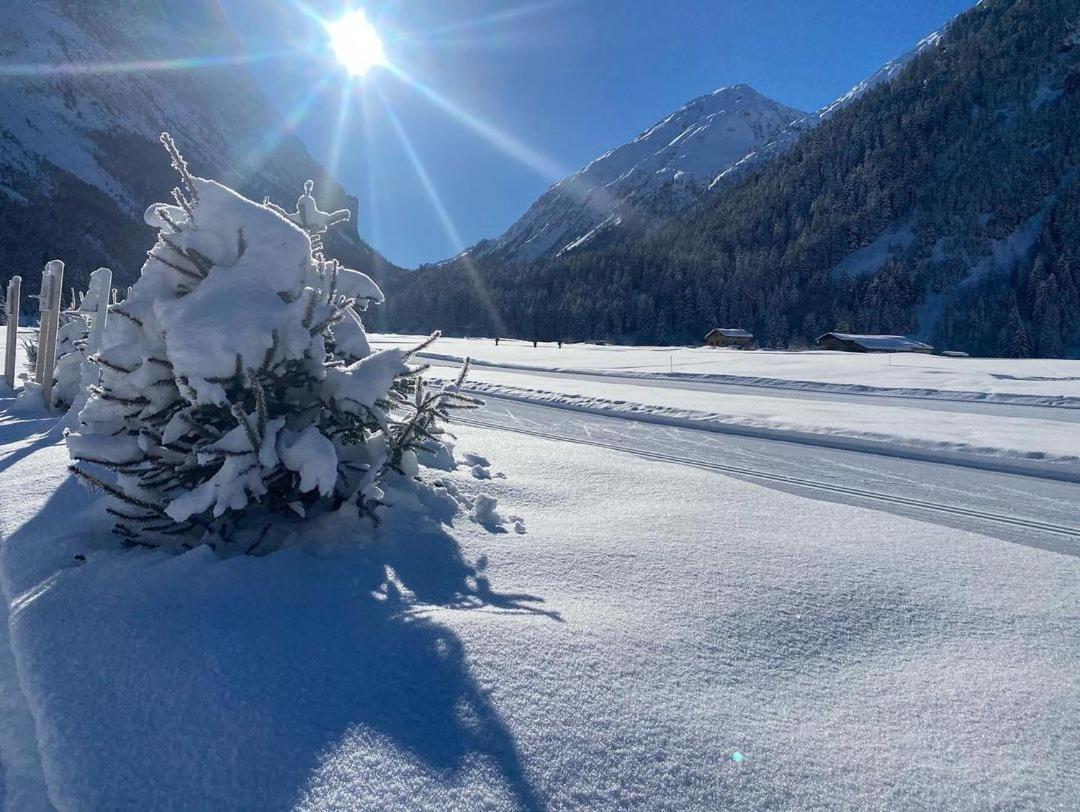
{"type": "Point", "coordinates": [658, 637]}
{"type": "Point", "coordinates": [934, 377]}
{"type": "Point", "coordinates": [998, 413]}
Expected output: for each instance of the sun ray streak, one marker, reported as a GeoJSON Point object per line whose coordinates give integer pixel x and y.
{"type": "Point", "coordinates": [504, 142]}
{"type": "Point", "coordinates": [44, 69]}
{"type": "Point", "coordinates": [306, 10]}
{"type": "Point", "coordinates": [490, 20]}
{"type": "Point", "coordinates": [372, 191]}
{"type": "Point", "coordinates": [257, 156]}
{"type": "Point", "coordinates": [444, 218]}
{"type": "Point", "coordinates": [596, 198]}
{"type": "Point", "coordinates": [337, 143]}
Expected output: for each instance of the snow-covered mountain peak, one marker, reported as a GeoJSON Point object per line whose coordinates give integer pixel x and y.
{"type": "Point", "coordinates": [712, 139]}
{"type": "Point", "coordinates": [662, 169]}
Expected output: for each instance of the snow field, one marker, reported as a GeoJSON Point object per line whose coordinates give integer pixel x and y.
{"type": "Point", "coordinates": [1047, 380]}
{"type": "Point", "coordinates": [653, 622]}
{"type": "Point", "coordinates": [996, 424]}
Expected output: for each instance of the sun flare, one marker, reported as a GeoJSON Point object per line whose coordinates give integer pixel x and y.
{"type": "Point", "coordinates": [356, 43]}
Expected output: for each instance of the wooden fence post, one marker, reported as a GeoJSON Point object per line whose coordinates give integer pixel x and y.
{"type": "Point", "coordinates": [55, 272]}
{"type": "Point", "coordinates": [44, 319]}
{"type": "Point", "coordinates": [14, 293]}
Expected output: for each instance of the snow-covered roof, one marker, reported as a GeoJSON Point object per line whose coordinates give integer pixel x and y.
{"type": "Point", "coordinates": [872, 342]}
{"type": "Point", "coordinates": [730, 332]}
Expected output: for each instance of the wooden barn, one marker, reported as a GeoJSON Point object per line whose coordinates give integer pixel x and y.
{"type": "Point", "coordinates": [847, 342]}
{"type": "Point", "coordinates": [730, 337]}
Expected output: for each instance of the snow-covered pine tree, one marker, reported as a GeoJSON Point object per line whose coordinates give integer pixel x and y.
{"type": "Point", "coordinates": [238, 390]}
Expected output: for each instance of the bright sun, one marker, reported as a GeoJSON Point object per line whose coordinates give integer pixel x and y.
{"type": "Point", "coordinates": [356, 43]}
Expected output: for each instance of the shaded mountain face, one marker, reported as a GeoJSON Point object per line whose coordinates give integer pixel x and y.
{"type": "Point", "coordinates": [79, 153]}
{"type": "Point", "coordinates": [941, 203]}
{"type": "Point", "coordinates": [658, 174]}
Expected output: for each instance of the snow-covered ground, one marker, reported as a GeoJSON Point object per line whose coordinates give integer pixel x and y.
{"type": "Point", "coordinates": [990, 412]}
{"type": "Point", "coordinates": [927, 376]}
{"type": "Point", "coordinates": [690, 620]}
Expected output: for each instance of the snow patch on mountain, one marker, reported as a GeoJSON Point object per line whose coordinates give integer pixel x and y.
{"type": "Point", "coordinates": [872, 258]}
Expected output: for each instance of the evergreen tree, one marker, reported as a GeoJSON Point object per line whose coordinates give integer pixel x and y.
{"type": "Point", "coordinates": [1015, 338]}
{"type": "Point", "coordinates": [224, 407]}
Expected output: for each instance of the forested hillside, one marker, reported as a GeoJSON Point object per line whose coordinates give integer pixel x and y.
{"type": "Point", "coordinates": [943, 204]}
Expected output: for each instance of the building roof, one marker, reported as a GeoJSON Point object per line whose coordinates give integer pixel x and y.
{"type": "Point", "coordinates": [730, 332]}
{"type": "Point", "coordinates": [872, 342]}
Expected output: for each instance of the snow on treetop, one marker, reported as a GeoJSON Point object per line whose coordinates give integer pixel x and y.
{"type": "Point", "coordinates": [253, 290]}
{"type": "Point", "coordinates": [310, 217]}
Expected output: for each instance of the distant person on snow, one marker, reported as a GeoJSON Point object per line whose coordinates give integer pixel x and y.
{"type": "Point", "coordinates": [496, 341]}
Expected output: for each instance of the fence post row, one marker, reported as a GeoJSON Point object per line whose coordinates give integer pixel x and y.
{"type": "Point", "coordinates": [14, 292]}
{"type": "Point", "coordinates": [50, 323]}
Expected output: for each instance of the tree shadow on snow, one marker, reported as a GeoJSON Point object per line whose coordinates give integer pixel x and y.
{"type": "Point", "coordinates": [293, 672]}
{"type": "Point", "coordinates": [390, 668]}
{"type": "Point", "coordinates": [44, 428]}
{"type": "Point", "coordinates": [37, 425]}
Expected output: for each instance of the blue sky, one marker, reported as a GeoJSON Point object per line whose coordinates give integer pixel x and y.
{"type": "Point", "coordinates": [540, 89]}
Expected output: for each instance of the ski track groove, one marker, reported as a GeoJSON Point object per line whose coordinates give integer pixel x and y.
{"type": "Point", "coordinates": [997, 518]}
{"type": "Point", "coordinates": [960, 458]}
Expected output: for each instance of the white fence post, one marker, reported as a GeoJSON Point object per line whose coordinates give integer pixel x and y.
{"type": "Point", "coordinates": [95, 305]}
{"type": "Point", "coordinates": [14, 292]}
{"type": "Point", "coordinates": [96, 301]}
{"type": "Point", "coordinates": [47, 336]}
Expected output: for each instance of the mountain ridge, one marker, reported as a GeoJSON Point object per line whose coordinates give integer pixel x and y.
{"type": "Point", "coordinates": [85, 95]}
{"type": "Point", "coordinates": [579, 209]}
{"type": "Point", "coordinates": [788, 137]}
{"type": "Point", "coordinates": [661, 171]}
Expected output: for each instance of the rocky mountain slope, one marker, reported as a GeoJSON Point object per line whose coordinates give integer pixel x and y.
{"type": "Point", "coordinates": [85, 91]}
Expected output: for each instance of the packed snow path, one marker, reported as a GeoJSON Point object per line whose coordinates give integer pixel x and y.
{"type": "Point", "coordinates": [1024, 509]}
{"type": "Point", "coordinates": [1063, 410]}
